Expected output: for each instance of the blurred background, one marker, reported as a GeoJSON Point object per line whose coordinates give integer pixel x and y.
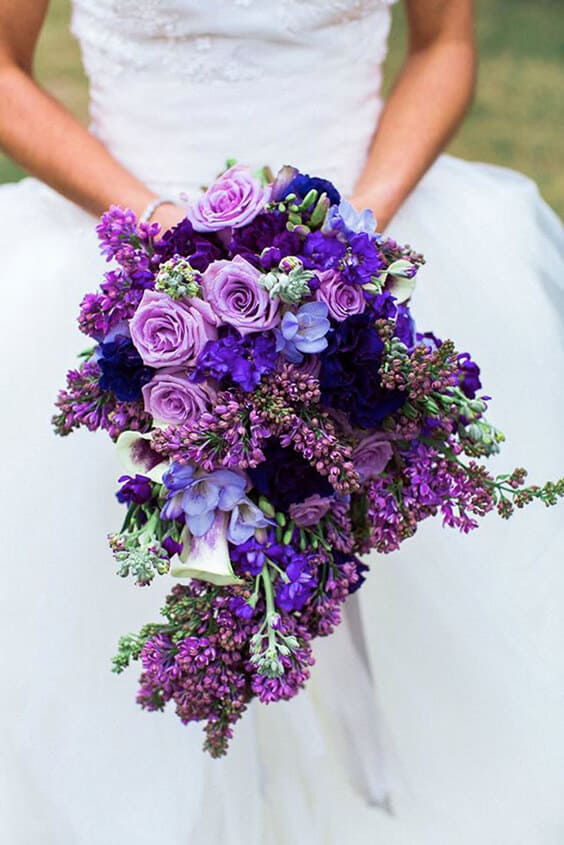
{"type": "Point", "coordinates": [517, 118]}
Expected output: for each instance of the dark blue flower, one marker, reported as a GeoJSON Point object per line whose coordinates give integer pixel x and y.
{"type": "Point", "coordinates": [137, 490]}
{"type": "Point", "coordinates": [123, 371]}
{"type": "Point", "coordinates": [172, 547]}
{"type": "Point", "coordinates": [285, 477]}
{"type": "Point", "coordinates": [302, 184]}
{"type": "Point", "coordinates": [248, 558]}
{"type": "Point", "coordinates": [349, 377]}
{"type": "Point", "coordinates": [240, 607]}
{"type": "Point", "coordinates": [236, 359]}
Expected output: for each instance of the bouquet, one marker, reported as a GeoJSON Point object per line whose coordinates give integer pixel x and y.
{"type": "Point", "coordinates": [277, 416]}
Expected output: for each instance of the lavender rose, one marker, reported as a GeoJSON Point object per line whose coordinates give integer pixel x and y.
{"type": "Point", "coordinates": [167, 332]}
{"type": "Point", "coordinates": [310, 511]}
{"type": "Point", "coordinates": [170, 398]}
{"type": "Point", "coordinates": [233, 200]}
{"type": "Point", "coordinates": [371, 456]}
{"type": "Point", "coordinates": [233, 290]}
{"type": "Point", "coordinates": [342, 299]}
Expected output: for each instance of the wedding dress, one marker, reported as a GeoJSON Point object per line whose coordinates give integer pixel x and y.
{"type": "Point", "coordinates": [465, 634]}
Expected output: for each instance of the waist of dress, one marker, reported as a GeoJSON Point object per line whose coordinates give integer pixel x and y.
{"type": "Point", "coordinates": [176, 136]}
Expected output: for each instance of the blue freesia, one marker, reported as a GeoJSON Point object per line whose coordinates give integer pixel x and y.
{"type": "Point", "coordinates": [197, 498]}
{"type": "Point", "coordinates": [246, 517]}
{"type": "Point", "coordinates": [303, 332]}
{"type": "Point", "coordinates": [345, 220]}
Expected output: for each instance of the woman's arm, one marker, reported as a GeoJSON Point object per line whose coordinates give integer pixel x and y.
{"type": "Point", "coordinates": [430, 97]}
{"type": "Point", "coordinates": [45, 139]}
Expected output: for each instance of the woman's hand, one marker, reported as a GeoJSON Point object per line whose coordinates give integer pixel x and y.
{"type": "Point", "coordinates": [168, 215]}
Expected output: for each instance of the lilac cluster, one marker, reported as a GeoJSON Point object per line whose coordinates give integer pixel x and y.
{"type": "Point", "coordinates": [277, 414]}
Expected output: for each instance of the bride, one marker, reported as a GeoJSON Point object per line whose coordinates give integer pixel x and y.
{"type": "Point", "coordinates": [464, 634]}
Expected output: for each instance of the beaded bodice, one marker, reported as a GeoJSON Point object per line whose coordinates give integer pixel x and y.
{"type": "Point", "coordinates": [177, 86]}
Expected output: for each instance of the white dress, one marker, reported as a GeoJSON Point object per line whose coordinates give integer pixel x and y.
{"type": "Point", "coordinates": [465, 634]}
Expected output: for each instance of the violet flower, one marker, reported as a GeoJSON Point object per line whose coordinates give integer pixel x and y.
{"type": "Point", "coordinates": [303, 332]}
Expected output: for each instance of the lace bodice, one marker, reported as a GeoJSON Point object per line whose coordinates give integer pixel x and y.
{"type": "Point", "coordinates": [177, 86]}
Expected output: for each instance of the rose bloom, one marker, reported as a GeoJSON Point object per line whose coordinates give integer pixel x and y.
{"type": "Point", "coordinates": [342, 299]}
{"type": "Point", "coordinates": [371, 456]}
{"type": "Point", "coordinates": [171, 398]}
{"type": "Point", "coordinates": [233, 290]}
{"type": "Point", "coordinates": [167, 332]}
{"type": "Point", "coordinates": [310, 511]}
{"type": "Point", "coordinates": [233, 200]}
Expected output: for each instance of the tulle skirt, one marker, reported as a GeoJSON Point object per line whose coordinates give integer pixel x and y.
{"type": "Point", "coordinates": [455, 735]}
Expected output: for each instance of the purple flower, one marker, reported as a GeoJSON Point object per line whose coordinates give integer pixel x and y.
{"type": "Point", "coordinates": [171, 546]}
{"type": "Point", "coordinates": [344, 220]}
{"type": "Point", "coordinates": [349, 377]}
{"type": "Point", "coordinates": [302, 184]}
{"type": "Point", "coordinates": [233, 290]}
{"type": "Point", "coordinates": [201, 249]}
{"type": "Point", "coordinates": [372, 456]}
{"type": "Point", "coordinates": [248, 558]}
{"type": "Point", "coordinates": [363, 261]}
{"type": "Point", "coordinates": [293, 595]}
{"type": "Point", "coordinates": [266, 240]}
{"type": "Point", "coordinates": [310, 511]}
{"type": "Point", "coordinates": [116, 227]}
{"type": "Point", "coordinates": [137, 490]}
{"type": "Point", "coordinates": [171, 398]}
{"type": "Point", "coordinates": [405, 326]}
{"type": "Point", "coordinates": [198, 497]}
{"type": "Point", "coordinates": [469, 375]}
{"type": "Point", "coordinates": [168, 332]}
{"type": "Point", "coordinates": [245, 518]}
{"type": "Point", "coordinates": [233, 200]}
{"type": "Point", "coordinates": [241, 607]}
{"type": "Point", "coordinates": [303, 332]}
{"type": "Point", "coordinates": [285, 477]}
{"type": "Point", "coordinates": [342, 299]}
{"type": "Point", "coordinates": [123, 371]}
{"type": "Point", "coordinates": [343, 560]}
{"type": "Point", "coordinates": [232, 358]}
{"type": "Point", "coordinates": [322, 252]}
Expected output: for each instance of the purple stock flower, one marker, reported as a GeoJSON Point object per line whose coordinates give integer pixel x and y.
{"type": "Point", "coordinates": [123, 371]}
{"type": "Point", "coordinates": [248, 558]}
{"type": "Point", "coordinates": [322, 252]}
{"type": "Point", "coordinates": [303, 332]}
{"type": "Point", "coordinates": [234, 199]}
{"type": "Point", "coordinates": [232, 358]}
{"type": "Point", "coordinates": [363, 261]}
{"type": "Point", "coordinates": [293, 594]}
{"type": "Point", "coordinates": [137, 490]}
{"type": "Point", "coordinates": [183, 240]}
{"type": "Point", "coordinates": [266, 240]}
{"type": "Point", "coordinates": [469, 375]}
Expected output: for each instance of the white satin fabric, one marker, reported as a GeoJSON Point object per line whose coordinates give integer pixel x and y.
{"type": "Point", "coordinates": [464, 635]}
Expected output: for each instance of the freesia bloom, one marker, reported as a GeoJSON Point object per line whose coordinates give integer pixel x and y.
{"type": "Point", "coordinates": [233, 290]}
{"type": "Point", "coordinates": [342, 299]}
{"type": "Point", "coordinates": [304, 331]}
{"type": "Point", "coordinates": [233, 200]}
{"type": "Point", "coordinates": [198, 497]}
{"type": "Point", "coordinates": [171, 398]}
{"type": "Point", "coordinates": [167, 332]}
{"type": "Point", "coordinates": [246, 517]}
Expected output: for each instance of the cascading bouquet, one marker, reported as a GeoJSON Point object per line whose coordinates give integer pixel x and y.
{"type": "Point", "coordinates": [277, 416]}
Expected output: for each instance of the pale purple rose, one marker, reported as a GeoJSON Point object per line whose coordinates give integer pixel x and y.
{"type": "Point", "coordinates": [371, 456]}
{"type": "Point", "coordinates": [171, 398]}
{"type": "Point", "coordinates": [310, 511]}
{"type": "Point", "coordinates": [342, 299]}
{"type": "Point", "coordinates": [233, 290]}
{"type": "Point", "coordinates": [167, 332]}
{"type": "Point", "coordinates": [234, 199]}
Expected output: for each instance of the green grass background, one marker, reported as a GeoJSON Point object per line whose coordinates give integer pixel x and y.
{"type": "Point", "coordinates": [517, 118]}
